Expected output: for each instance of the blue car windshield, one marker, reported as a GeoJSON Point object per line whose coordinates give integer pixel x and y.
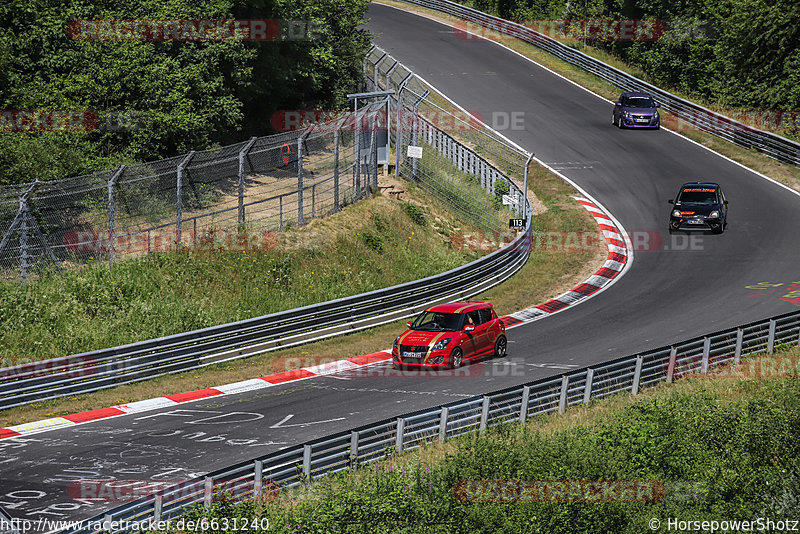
{"type": "Point", "coordinates": [697, 197]}
{"type": "Point", "coordinates": [639, 102]}
{"type": "Point", "coordinates": [437, 322]}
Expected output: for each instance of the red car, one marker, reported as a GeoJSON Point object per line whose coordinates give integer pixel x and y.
{"type": "Point", "coordinates": [448, 334]}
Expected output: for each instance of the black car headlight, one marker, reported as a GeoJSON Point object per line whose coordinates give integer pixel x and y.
{"type": "Point", "coordinates": [713, 215]}
{"type": "Point", "coordinates": [676, 213]}
{"type": "Point", "coordinates": [441, 344]}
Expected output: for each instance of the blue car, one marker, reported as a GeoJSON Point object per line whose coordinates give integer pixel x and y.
{"type": "Point", "coordinates": [636, 110]}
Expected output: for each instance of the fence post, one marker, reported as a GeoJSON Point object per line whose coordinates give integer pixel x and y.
{"type": "Point", "coordinates": [23, 241]}
{"type": "Point", "coordinates": [336, 167]}
{"type": "Point", "coordinates": [484, 414]}
{"type": "Point", "coordinates": [242, 154]}
{"type": "Point", "coordinates": [357, 154]}
{"type": "Point", "coordinates": [374, 153]}
{"type": "Point", "coordinates": [443, 424]}
{"type": "Point", "coordinates": [353, 448]}
{"type": "Point", "coordinates": [562, 399]}
{"type": "Point", "coordinates": [673, 356]}
{"type": "Point", "coordinates": [637, 375]}
{"type": "Point", "coordinates": [706, 350]}
{"type": "Point", "coordinates": [401, 429]}
{"type": "Point", "coordinates": [179, 196]}
{"type": "Point", "coordinates": [280, 212]}
{"type": "Point", "coordinates": [771, 337]}
{"type": "Point", "coordinates": [737, 355]}
{"type": "Point", "coordinates": [415, 131]}
{"type": "Point", "coordinates": [307, 462]}
{"type": "Point", "coordinates": [523, 409]}
{"type": "Point", "coordinates": [300, 218]}
{"type": "Point", "coordinates": [258, 479]}
{"type": "Point", "coordinates": [587, 390]}
{"type": "Point", "coordinates": [111, 214]}
{"type": "Point", "coordinates": [208, 492]}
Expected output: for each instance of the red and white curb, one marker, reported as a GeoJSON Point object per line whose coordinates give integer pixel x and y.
{"type": "Point", "coordinates": [614, 265]}
{"type": "Point", "coordinates": [180, 398]}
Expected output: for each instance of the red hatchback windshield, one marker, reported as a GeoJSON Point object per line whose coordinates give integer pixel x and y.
{"type": "Point", "coordinates": [430, 321]}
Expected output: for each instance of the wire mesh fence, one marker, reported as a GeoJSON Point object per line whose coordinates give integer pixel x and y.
{"type": "Point", "coordinates": [228, 197]}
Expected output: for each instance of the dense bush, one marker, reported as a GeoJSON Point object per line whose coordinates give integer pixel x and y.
{"type": "Point", "coordinates": [178, 95]}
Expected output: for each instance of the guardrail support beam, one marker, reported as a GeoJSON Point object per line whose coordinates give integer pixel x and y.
{"type": "Point", "coordinates": [208, 492]}
{"type": "Point", "coordinates": [771, 337]}
{"type": "Point", "coordinates": [484, 414]}
{"type": "Point", "coordinates": [673, 357]}
{"type": "Point", "coordinates": [443, 424]}
{"type": "Point", "coordinates": [587, 390]}
{"type": "Point", "coordinates": [637, 375]}
{"type": "Point", "coordinates": [706, 354]}
{"type": "Point", "coordinates": [562, 399]}
{"type": "Point", "coordinates": [258, 479]}
{"type": "Point", "coordinates": [353, 448]}
{"type": "Point", "coordinates": [401, 429]}
{"type": "Point", "coordinates": [158, 505]}
{"type": "Point", "coordinates": [523, 408]}
{"type": "Point", "coordinates": [737, 355]}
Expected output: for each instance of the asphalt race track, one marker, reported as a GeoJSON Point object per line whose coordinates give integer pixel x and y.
{"type": "Point", "coordinates": [670, 293]}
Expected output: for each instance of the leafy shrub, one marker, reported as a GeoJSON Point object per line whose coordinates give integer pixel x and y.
{"type": "Point", "coordinates": [415, 213]}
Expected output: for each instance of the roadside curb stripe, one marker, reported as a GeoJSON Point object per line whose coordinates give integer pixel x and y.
{"type": "Point", "coordinates": [614, 264]}
{"type": "Point", "coordinates": [617, 258]}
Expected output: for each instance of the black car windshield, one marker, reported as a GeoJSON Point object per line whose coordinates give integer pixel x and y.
{"type": "Point", "coordinates": [639, 102]}
{"type": "Point", "coordinates": [697, 197]}
{"type": "Point", "coordinates": [437, 322]}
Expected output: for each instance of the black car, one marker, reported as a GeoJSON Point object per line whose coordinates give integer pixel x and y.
{"type": "Point", "coordinates": [699, 206]}
{"type": "Point", "coordinates": [636, 110]}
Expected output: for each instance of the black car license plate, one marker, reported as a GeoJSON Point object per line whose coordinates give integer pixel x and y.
{"type": "Point", "coordinates": [694, 221]}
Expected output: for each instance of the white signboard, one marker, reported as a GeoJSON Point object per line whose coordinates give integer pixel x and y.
{"type": "Point", "coordinates": [414, 152]}
{"type": "Point", "coordinates": [508, 200]}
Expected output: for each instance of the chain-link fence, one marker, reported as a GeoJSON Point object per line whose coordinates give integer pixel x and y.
{"type": "Point", "coordinates": [224, 198]}
{"type": "Point", "coordinates": [455, 143]}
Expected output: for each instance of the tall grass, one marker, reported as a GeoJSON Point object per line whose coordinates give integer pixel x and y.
{"type": "Point", "coordinates": [375, 244]}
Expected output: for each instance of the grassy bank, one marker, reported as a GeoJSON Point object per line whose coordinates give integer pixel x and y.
{"type": "Point", "coordinates": [713, 448]}
{"type": "Point", "coordinates": [544, 276]}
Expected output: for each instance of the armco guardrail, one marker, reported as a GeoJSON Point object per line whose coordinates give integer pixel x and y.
{"type": "Point", "coordinates": [292, 466]}
{"type": "Point", "coordinates": [774, 146]}
{"type": "Point", "coordinates": [96, 370]}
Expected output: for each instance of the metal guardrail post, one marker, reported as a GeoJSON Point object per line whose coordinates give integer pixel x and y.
{"type": "Point", "coordinates": [208, 492]}
{"type": "Point", "coordinates": [443, 424]}
{"type": "Point", "coordinates": [637, 375]}
{"type": "Point", "coordinates": [307, 463]}
{"type": "Point", "coordinates": [373, 155]}
{"type": "Point", "coordinates": [242, 155]}
{"type": "Point", "coordinates": [523, 407]}
{"type": "Point", "coordinates": [737, 355]}
{"type": "Point", "coordinates": [771, 337]}
{"type": "Point", "coordinates": [706, 353]}
{"type": "Point", "coordinates": [258, 478]}
{"type": "Point", "coordinates": [401, 430]}
{"type": "Point", "coordinates": [673, 358]}
{"type": "Point", "coordinates": [179, 197]}
{"type": "Point", "coordinates": [353, 448]}
{"type": "Point", "coordinates": [400, 122]}
{"type": "Point", "coordinates": [562, 398]}
{"type": "Point", "coordinates": [587, 389]}
{"type": "Point", "coordinates": [112, 239]}
{"type": "Point", "coordinates": [357, 154]}
{"type": "Point", "coordinates": [158, 505]}
{"type": "Point", "coordinates": [484, 414]}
